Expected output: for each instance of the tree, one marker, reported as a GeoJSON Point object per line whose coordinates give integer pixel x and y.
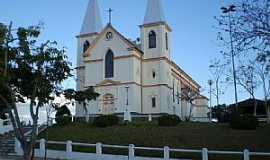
{"type": "Point", "coordinates": [262, 69]}
{"type": "Point", "coordinates": [82, 97]}
{"type": "Point", "coordinates": [247, 78]}
{"type": "Point", "coordinates": [2, 113]}
{"type": "Point", "coordinates": [221, 113]}
{"type": "Point", "coordinates": [226, 24]}
{"type": "Point", "coordinates": [29, 71]}
{"type": "Point", "coordinates": [251, 34]}
{"type": "Point", "coordinates": [217, 71]}
{"type": "Point", "coordinates": [189, 95]}
{"type": "Point", "coordinates": [249, 29]}
{"type": "Point", "coordinates": [252, 26]}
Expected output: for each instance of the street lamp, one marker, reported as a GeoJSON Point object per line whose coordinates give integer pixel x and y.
{"type": "Point", "coordinates": [228, 10]}
{"type": "Point", "coordinates": [127, 116]}
{"type": "Point", "coordinates": [210, 82]}
{"type": "Point", "coordinates": [127, 87]}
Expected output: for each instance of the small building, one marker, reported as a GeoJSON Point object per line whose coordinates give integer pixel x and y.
{"type": "Point", "coordinates": [251, 106]}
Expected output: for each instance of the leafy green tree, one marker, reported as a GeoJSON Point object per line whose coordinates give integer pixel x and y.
{"type": "Point", "coordinates": [82, 97]}
{"type": "Point", "coordinates": [63, 115]}
{"type": "Point", "coordinates": [29, 72]}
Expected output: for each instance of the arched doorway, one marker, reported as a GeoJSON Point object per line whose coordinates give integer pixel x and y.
{"type": "Point", "coordinates": [108, 104]}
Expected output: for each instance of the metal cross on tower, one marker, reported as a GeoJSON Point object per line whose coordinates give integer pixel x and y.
{"type": "Point", "coordinates": [110, 15]}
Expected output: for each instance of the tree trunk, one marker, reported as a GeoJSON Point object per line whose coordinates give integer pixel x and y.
{"type": "Point", "coordinates": [27, 151]}
{"type": "Point", "coordinates": [267, 111]}
{"type": "Point", "coordinates": [265, 99]}
{"type": "Point", "coordinates": [190, 111]}
{"type": "Point", "coordinates": [268, 114]}
{"type": "Point", "coordinates": [255, 107]}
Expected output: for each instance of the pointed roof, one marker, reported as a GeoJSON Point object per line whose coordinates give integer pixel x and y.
{"type": "Point", "coordinates": [128, 42]}
{"type": "Point", "coordinates": [154, 12]}
{"type": "Point", "coordinates": [92, 21]}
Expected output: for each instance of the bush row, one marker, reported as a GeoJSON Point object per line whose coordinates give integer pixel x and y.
{"type": "Point", "coordinates": [169, 120]}
{"type": "Point", "coordinates": [106, 121]}
{"type": "Point", "coordinates": [110, 120]}
{"type": "Point", "coordinates": [243, 122]}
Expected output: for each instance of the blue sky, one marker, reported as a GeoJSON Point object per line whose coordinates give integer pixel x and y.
{"type": "Point", "coordinates": [193, 37]}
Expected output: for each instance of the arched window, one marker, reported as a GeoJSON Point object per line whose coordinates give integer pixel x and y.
{"type": "Point", "coordinates": [152, 39]}
{"type": "Point", "coordinates": [86, 45]}
{"type": "Point", "coordinates": [153, 102]}
{"type": "Point", "coordinates": [109, 64]}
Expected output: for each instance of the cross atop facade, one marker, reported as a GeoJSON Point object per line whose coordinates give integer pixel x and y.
{"type": "Point", "coordinates": [110, 15]}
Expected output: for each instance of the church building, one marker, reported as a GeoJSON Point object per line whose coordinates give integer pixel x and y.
{"type": "Point", "coordinates": [138, 77]}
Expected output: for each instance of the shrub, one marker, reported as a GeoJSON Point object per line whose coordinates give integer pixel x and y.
{"type": "Point", "coordinates": [106, 121]}
{"type": "Point", "coordinates": [243, 122]}
{"type": "Point", "coordinates": [63, 116]}
{"type": "Point", "coordinates": [168, 120]}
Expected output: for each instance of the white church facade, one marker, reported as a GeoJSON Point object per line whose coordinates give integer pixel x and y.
{"type": "Point", "coordinates": [137, 77]}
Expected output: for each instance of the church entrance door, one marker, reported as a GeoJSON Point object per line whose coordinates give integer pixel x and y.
{"type": "Point", "coordinates": [108, 104]}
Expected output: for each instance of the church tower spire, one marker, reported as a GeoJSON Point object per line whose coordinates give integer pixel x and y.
{"type": "Point", "coordinates": [92, 21]}
{"type": "Point", "coordinates": [155, 32]}
{"type": "Point", "coordinates": [154, 12]}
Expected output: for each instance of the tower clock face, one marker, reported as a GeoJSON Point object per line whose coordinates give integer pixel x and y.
{"type": "Point", "coordinates": [109, 35]}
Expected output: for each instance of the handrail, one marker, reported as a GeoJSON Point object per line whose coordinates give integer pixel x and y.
{"type": "Point", "coordinates": [186, 150]}
{"type": "Point", "coordinates": [259, 153]}
{"type": "Point", "coordinates": [158, 149]}
{"type": "Point", "coordinates": [114, 146]}
{"type": "Point", "coordinates": [83, 144]}
{"type": "Point", "coordinates": [131, 149]}
{"type": "Point", "coordinates": [225, 152]}
{"type": "Point", "coordinates": [149, 148]}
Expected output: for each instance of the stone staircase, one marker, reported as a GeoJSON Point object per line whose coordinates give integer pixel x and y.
{"type": "Point", "coordinates": [7, 140]}
{"type": "Point", "coordinates": [7, 144]}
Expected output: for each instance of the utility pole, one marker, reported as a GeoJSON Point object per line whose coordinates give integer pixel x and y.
{"type": "Point", "coordinates": [217, 91]}
{"type": "Point", "coordinates": [210, 82]}
{"type": "Point", "coordinates": [228, 11]}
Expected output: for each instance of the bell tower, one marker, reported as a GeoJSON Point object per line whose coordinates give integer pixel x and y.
{"type": "Point", "coordinates": [91, 27]}
{"type": "Point", "coordinates": [155, 32]}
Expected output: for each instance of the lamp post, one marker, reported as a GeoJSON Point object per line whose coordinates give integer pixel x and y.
{"type": "Point", "coordinates": [127, 87]}
{"type": "Point", "coordinates": [210, 82]}
{"type": "Point", "coordinates": [228, 10]}
{"type": "Point", "coordinates": [127, 116]}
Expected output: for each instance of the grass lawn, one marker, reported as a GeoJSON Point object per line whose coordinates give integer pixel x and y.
{"type": "Point", "coordinates": [185, 135]}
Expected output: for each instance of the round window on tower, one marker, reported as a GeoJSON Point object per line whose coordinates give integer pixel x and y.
{"type": "Point", "coordinates": [109, 36]}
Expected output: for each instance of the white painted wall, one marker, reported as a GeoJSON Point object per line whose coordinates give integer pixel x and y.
{"type": "Point", "coordinates": [80, 42]}
{"type": "Point", "coordinates": [161, 50]}
{"type": "Point", "coordinates": [120, 93]}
